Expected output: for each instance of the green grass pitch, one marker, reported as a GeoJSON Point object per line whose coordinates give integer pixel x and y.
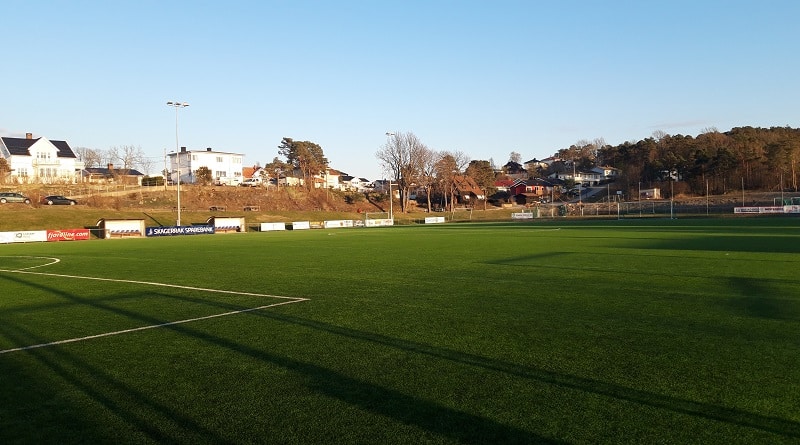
{"type": "Point", "coordinates": [632, 331]}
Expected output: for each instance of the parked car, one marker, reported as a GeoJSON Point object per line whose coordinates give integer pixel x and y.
{"type": "Point", "coordinates": [58, 200]}
{"type": "Point", "coordinates": [251, 182]}
{"type": "Point", "coordinates": [13, 197]}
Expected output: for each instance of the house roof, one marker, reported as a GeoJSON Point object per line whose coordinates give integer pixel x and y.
{"type": "Point", "coordinates": [108, 172]}
{"type": "Point", "coordinates": [539, 182]}
{"type": "Point", "coordinates": [333, 171]}
{"type": "Point", "coordinates": [247, 172]}
{"type": "Point", "coordinates": [466, 184]}
{"type": "Point", "coordinates": [21, 147]}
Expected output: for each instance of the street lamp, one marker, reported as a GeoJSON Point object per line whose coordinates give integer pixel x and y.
{"type": "Point", "coordinates": [178, 105]}
{"type": "Point", "coordinates": [391, 198]}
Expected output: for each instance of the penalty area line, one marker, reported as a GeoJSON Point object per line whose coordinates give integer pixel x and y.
{"type": "Point", "coordinates": [152, 283]}
{"type": "Point", "coordinates": [143, 328]}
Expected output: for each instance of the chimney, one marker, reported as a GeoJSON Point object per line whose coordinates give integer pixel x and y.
{"type": "Point", "coordinates": [183, 149]}
{"type": "Point", "coordinates": [28, 135]}
{"type": "Point", "coordinates": [208, 149]}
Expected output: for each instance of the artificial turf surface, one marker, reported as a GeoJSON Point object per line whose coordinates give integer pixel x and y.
{"type": "Point", "coordinates": [631, 331]}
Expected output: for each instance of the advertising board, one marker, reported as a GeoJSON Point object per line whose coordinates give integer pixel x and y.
{"type": "Point", "coordinates": [179, 230]}
{"type": "Point", "coordinates": [335, 224]}
{"type": "Point", "coordinates": [379, 222]}
{"type": "Point", "coordinates": [272, 226]}
{"type": "Point", "coordinates": [68, 235]}
{"type": "Point", "coordinates": [30, 236]}
{"type": "Point", "coordinates": [301, 225]}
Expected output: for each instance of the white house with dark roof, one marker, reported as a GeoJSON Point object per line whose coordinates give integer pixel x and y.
{"type": "Point", "coordinates": [225, 167]}
{"type": "Point", "coordinates": [40, 160]}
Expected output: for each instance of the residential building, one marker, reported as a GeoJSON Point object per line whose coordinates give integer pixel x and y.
{"type": "Point", "coordinates": [606, 173]}
{"type": "Point", "coordinates": [40, 160]}
{"type": "Point", "coordinates": [109, 174]}
{"type": "Point", "coordinates": [329, 179]}
{"type": "Point", "coordinates": [467, 190]}
{"type": "Point", "coordinates": [225, 167]}
{"type": "Point", "coordinates": [354, 184]}
{"type": "Point", "coordinates": [531, 191]}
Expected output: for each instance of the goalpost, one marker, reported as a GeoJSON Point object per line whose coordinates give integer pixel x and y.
{"type": "Point", "coordinates": [377, 219]}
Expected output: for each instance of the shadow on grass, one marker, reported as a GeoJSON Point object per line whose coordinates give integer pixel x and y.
{"type": "Point", "coordinates": [94, 382]}
{"type": "Point", "coordinates": [757, 299]}
{"type": "Point", "coordinates": [114, 396]}
{"type": "Point", "coordinates": [430, 416]}
{"type": "Point", "coordinates": [718, 413]}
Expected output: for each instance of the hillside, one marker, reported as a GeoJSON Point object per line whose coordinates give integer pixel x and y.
{"type": "Point", "coordinates": [158, 206]}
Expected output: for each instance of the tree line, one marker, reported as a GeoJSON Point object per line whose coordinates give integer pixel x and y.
{"type": "Point", "coordinates": [713, 161]}
{"type": "Point", "coordinates": [412, 164]}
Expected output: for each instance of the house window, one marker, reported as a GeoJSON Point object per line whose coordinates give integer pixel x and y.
{"type": "Point", "coordinates": [194, 157]}
{"type": "Point", "coordinates": [219, 159]}
{"type": "Point", "coordinates": [22, 172]}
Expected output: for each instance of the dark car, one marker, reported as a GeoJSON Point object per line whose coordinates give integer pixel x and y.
{"type": "Point", "coordinates": [58, 200]}
{"type": "Point", "coordinates": [13, 197]}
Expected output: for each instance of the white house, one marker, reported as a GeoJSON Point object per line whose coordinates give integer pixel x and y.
{"type": "Point", "coordinates": [606, 173]}
{"type": "Point", "coordinates": [354, 184]}
{"type": "Point", "coordinates": [224, 167]}
{"type": "Point", "coordinates": [329, 179]}
{"type": "Point", "coordinates": [591, 177]}
{"type": "Point", "coordinates": [40, 160]}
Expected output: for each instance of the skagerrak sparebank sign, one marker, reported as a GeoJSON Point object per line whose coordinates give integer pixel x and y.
{"type": "Point", "coordinates": [179, 230]}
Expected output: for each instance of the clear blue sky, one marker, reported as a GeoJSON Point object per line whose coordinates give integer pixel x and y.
{"type": "Point", "coordinates": [483, 77]}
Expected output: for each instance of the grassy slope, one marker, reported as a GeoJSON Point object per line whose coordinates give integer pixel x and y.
{"type": "Point", "coordinates": [623, 331]}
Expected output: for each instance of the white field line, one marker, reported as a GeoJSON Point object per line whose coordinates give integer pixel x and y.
{"type": "Point", "coordinates": [142, 328]}
{"type": "Point", "coordinates": [290, 300]}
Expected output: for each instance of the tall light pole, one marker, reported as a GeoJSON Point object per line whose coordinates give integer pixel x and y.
{"type": "Point", "coordinates": [391, 198]}
{"type": "Point", "coordinates": [165, 169]}
{"type": "Point", "coordinates": [178, 105]}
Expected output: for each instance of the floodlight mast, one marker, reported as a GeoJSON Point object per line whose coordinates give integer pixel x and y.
{"type": "Point", "coordinates": [178, 105]}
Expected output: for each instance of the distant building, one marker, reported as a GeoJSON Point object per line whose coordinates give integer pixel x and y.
{"type": "Point", "coordinates": [109, 174]}
{"type": "Point", "coordinates": [225, 167]}
{"type": "Point", "coordinates": [40, 160]}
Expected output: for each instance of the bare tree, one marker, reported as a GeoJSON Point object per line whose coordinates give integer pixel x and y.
{"type": "Point", "coordinates": [401, 157]}
{"type": "Point", "coordinates": [427, 175]}
{"type": "Point", "coordinates": [89, 156]}
{"type": "Point", "coordinates": [659, 135]}
{"type": "Point", "coordinates": [515, 158]}
{"type": "Point", "coordinates": [450, 165]}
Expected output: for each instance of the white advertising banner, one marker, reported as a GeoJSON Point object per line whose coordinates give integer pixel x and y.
{"type": "Point", "coordinates": [379, 222]}
{"type": "Point", "coordinates": [269, 227]}
{"type": "Point", "coordinates": [335, 224]}
{"type": "Point", "coordinates": [434, 219]}
{"type": "Point", "coordinates": [31, 236]}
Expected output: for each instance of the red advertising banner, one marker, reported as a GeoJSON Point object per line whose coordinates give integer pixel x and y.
{"type": "Point", "coordinates": [68, 235]}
